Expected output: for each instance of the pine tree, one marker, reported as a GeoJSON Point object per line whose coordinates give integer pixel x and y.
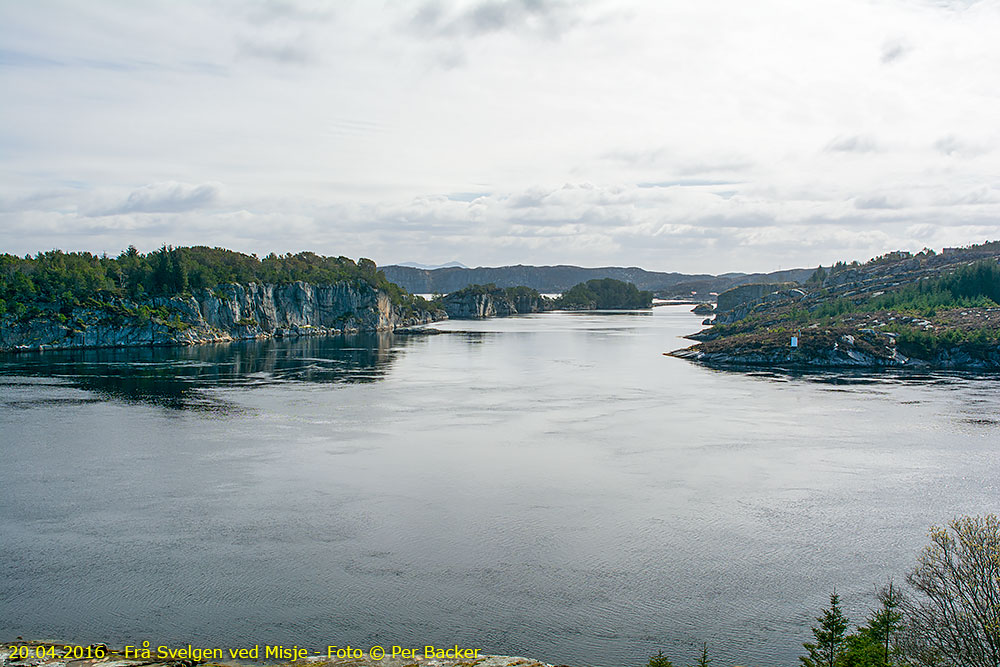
{"type": "Point", "coordinates": [887, 619]}
{"type": "Point", "coordinates": [703, 659]}
{"type": "Point", "coordinates": [659, 660]}
{"type": "Point", "coordinates": [829, 636]}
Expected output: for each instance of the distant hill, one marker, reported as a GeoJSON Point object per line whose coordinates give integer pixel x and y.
{"type": "Point", "coordinates": [552, 279]}
{"type": "Point", "coordinates": [418, 265]}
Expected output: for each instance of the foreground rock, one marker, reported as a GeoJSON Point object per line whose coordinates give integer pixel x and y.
{"type": "Point", "coordinates": [56, 654]}
{"type": "Point", "coordinates": [226, 313]}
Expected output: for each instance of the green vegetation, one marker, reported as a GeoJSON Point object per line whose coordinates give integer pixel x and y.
{"type": "Point", "coordinates": [928, 344]}
{"type": "Point", "coordinates": [949, 618]}
{"type": "Point", "coordinates": [955, 620]}
{"type": "Point", "coordinates": [659, 660]}
{"type": "Point", "coordinates": [870, 645]}
{"type": "Point", "coordinates": [53, 283]}
{"type": "Point", "coordinates": [939, 309]}
{"type": "Point", "coordinates": [829, 636]}
{"type": "Point", "coordinates": [605, 294]}
{"type": "Point", "coordinates": [952, 618]}
{"type": "Point", "coordinates": [515, 293]}
{"type": "Point", "coordinates": [975, 285]}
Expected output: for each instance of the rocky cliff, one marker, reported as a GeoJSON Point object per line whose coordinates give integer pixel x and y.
{"type": "Point", "coordinates": [467, 306]}
{"type": "Point", "coordinates": [478, 301]}
{"type": "Point", "coordinates": [226, 313]}
{"type": "Point", "coordinates": [846, 350]}
{"type": "Point", "coordinates": [736, 303]}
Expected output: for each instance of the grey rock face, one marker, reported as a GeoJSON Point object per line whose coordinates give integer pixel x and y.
{"type": "Point", "coordinates": [846, 354]}
{"type": "Point", "coordinates": [531, 304]}
{"type": "Point", "coordinates": [476, 306]}
{"type": "Point", "coordinates": [738, 302]}
{"type": "Point", "coordinates": [229, 312]}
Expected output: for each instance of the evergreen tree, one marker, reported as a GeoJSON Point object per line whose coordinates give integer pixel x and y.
{"type": "Point", "coordinates": [703, 660]}
{"type": "Point", "coordinates": [659, 660]}
{"type": "Point", "coordinates": [829, 644]}
{"type": "Point", "coordinates": [887, 620]}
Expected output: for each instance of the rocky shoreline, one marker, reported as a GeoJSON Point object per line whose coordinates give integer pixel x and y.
{"type": "Point", "coordinates": [784, 359]}
{"type": "Point", "coordinates": [22, 653]}
{"type": "Point", "coordinates": [899, 311]}
{"type": "Point", "coordinates": [225, 314]}
{"type": "Point", "coordinates": [831, 349]}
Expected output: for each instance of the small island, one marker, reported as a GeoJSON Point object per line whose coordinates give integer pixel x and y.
{"type": "Point", "coordinates": [480, 301]}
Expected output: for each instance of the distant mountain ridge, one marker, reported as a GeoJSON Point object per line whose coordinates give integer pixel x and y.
{"type": "Point", "coordinates": [559, 278]}
{"type": "Point", "coordinates": [418, 265]}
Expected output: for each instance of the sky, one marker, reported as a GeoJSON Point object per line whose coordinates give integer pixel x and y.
{"type": "Point", "coordinates": [696, 136]}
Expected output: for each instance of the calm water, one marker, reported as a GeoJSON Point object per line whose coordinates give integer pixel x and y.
{"type": "Point", "coordinates": [545, 485]}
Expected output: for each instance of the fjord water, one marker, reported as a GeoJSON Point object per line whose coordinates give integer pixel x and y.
{"type": "Point", "coordinates": [547, 485]}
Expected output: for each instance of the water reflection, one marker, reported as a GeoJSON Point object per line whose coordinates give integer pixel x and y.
{"type": "Point", "coordinates": [857, 376]}
{"type": "Point", "coordinates": [547, 485]}
{"type": "Point", "coordinates": [175, 377]}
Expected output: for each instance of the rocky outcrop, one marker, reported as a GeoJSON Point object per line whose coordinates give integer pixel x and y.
{"type": "Point", "coordinates": [479, 301]}
{"type": "Point", "coordinates": [738, 302]}
{"type": "Point", "coordinates": [532, 303]}
{"type": "Point", "coordinates": [703, 309]}
{"type": "Point", "coordinates": [226, 313]}
{"type": "Point", "coordinates": [832, 358]}
{"type": "Point", "coordinates": [864, 349]}
{"type": "Point", "coordinates": [464, 305]}
{"type": "Point", "coordinates": [745, 294]}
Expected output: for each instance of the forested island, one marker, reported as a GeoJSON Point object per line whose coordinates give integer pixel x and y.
{"type": "Point", "coordinates": [899, 310]}
{"type": "Point", "coordinates": [193, 295]}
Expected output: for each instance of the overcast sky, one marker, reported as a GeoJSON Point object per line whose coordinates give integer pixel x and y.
{"type": "Point", "coordinates": [705, 135]}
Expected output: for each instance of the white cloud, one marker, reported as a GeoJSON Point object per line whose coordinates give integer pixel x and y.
{"type": "Point", "coordinates": [549, 18]}
{"type": "Point", "coordinates": [952, 145]}
{"type": "Point", "coordinates": [168, 197]}
{"type": "Point", "coordinates": [893, 50]}
{"type": "Point", "coordinates": [853, 144]}
{"type": "Point", "coordinates": [677, 136]}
